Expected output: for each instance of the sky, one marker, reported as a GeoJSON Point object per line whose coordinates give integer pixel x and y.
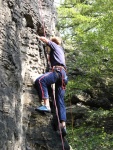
{"type": "Point", "coordinates": [57, 2]}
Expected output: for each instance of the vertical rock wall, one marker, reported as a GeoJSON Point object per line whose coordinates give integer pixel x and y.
{"type": "Point", "coordinates": [10, 80]}
{"type": "Point", "coordinates": [22, 57]}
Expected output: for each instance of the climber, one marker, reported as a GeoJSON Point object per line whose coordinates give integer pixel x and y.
{"type": "Point", "coordinates": [58, 76]}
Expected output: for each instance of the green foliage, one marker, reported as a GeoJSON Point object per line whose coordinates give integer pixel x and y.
{"type": "Point", "coordinates": [76, 86]}
{"type": "Point", "coordinates": [86, 27]}
{"type": "Point", "coordinates": [92, 136]}
{"type": "Point", "coordinates": [89, 138]}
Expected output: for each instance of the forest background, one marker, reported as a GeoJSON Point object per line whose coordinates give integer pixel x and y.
{"type": "Point", "coordinates": [86, 27]}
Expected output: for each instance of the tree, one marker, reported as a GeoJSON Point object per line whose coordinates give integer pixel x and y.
{"type": "Point", "coordinates": [86, 27]}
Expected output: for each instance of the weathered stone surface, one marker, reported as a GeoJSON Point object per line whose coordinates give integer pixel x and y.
{"type": "Point", "coordinates": [22, 58]}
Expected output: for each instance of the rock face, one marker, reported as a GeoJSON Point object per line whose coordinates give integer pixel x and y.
{"type": "Point", "coordinates": [22, 58]}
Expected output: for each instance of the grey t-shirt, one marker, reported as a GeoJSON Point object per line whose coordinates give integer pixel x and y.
{"type": "Point", "coordinates": [56, 54]}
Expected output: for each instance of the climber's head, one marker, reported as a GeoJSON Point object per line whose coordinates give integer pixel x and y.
{"type": "Point", "coordinates": [57, 40]}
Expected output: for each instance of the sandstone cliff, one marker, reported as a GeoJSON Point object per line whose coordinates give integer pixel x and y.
{"type": "Point", "coordinates": [22, 57]}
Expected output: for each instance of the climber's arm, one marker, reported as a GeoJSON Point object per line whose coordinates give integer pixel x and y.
{"type": "Point", "coordinates": [43, 39]}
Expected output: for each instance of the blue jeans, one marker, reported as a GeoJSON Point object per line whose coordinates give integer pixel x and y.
{"type": "Point", "coordinates": [58, 77]}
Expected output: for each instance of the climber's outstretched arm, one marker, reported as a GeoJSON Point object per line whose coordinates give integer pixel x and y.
{"type": "Point", "coordinates": [43, 39]}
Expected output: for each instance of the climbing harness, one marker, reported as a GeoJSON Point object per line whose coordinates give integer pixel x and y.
{"type": "Point", "coordinates": [63, 78]}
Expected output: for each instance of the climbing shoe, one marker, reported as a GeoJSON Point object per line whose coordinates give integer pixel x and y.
{"type": "Point", "coordinates": [64, 132]}
{"type": "Point", "coordinates": [43, 109]}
